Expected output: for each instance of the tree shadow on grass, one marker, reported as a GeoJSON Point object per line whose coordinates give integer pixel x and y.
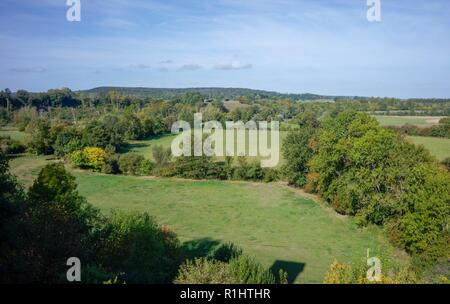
{"type": "Point", "coordinates": [293, 269]}
{"type": "Point", "coordinates": [126, 148]}
{"type": "Point", "coordinates": [199, 248]}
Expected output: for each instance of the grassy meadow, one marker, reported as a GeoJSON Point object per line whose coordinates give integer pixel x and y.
{"type": "Point", "coordinates": [420, 121]}
{"type": "Point", "coordinates": [275, 223]}
{"type": "Point", "coordinates": [145, 147]}
{"type": "Point", "coordinates": [14, 134]}
{"type": "Point", "coordinates": [439, 147]}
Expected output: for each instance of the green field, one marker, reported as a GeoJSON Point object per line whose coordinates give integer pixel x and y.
{"type": "Point", "coordinates": [273, 222]}
{"type": "Point", "coordinates": [439, 147]}
{"type": "Point", "coordinates": [14, 134]}
{"type": "Point", "coordinates": [420, 121]}
{"type": "Point", "coordinates": [145, 147]}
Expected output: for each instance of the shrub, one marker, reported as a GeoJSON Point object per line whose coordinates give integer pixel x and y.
{"type": "Point", "coordinates": [203, 271]}
{"type": "Point", "coordinates": [240, 270]}
{"type": "Point", "coordinates": [41, 137]}
{"type": "Point", "coordinates": [248, 171]}
{"type": "Point", "coordinates": [248, 271]}
{"type": "Point", "coordinates": [140, 250]}
{"type": "Point", "coordinates": [108, 131]}
{"type": "Point", "coordinates": [79, 159]}
{"type": "Point", "coordinates": [111, 164]}
{"type": "Point", "coordinates": [161, 156]}
{"type": "Point", "coordinates": [89, 158]}
{"type": "Point", "coordinates": [446, 163]}
{"type": "Point", "coordinates": [67, 141]}
{"type": "Point", "coordinates": [96, 158]}
{"type": "Point", "coordinates": [195, 167]}
{"type": "Point", "coordinates": [147, 167]}
{"type": "Point", "coordinates": [343, 273]}
{"type": "Point", "coordinates": [270, 175]}
{"type": "Point", "coordinates": [10, 146]}
{"type": "Point", "coordinates": [225, 252]}
{"type": "Point", "coordinates": [130, 163]}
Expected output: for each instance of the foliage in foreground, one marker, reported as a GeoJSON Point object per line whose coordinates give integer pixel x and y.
{"type": "Point", "coordinates": [344, 273]}
{"type": "Point", "coordinates": [369, 172]}
{"type": "Point", "coordinates": [41, 229]}
{"type": "Point", "coordinates": [239, 270]}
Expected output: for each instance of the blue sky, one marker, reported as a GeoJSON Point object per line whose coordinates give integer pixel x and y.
{"type": "Point", "coordinates": [325, 47]}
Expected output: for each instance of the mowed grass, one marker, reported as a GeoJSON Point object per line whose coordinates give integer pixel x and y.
{"type": "Point", "coordinates": [420, 121]}
{"type": "Point", "coordinates": [272, 222]}
{"type": "Point", "coordinates": [439, 147]}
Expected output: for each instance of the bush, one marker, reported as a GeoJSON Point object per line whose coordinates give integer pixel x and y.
{"type": "Point", "coordinates": [248, 271]}
{"type": "Point", "coordinates": [343, 273]}
{"type": "Point", "coordinates": [79, 159]}
{"type": "Point", "coordinates": [203, 271]}
{"type": "Point", "coordinates": [41, 137]}
{"type": "Point", "coordinates": [147, 167]}
{"type": "Point", "coordinates": [240, 270]}
{"type": "Point", "coordinates": [67, 141]}
{"type": "Point", "coordinates": [96, 158]}
{"type": "Point", "coordinates": [10, 146]}
{"type": "Point", "coordinates": [248, 171]}
{"type": "Point", "coordinates": [111, 164]}
{"type": "Point", "coordinates": [446, 163]}
{"type": "Point", "coordinates": [130, 163]}
{"type": "Point", "coordinates": [138, 249]}
{"type": "Point", "coordinates": [270, 175]}
{"type": "Point", "coordinates": [89, 158]}
{"type": "Point", "coordinates": [225, 252]}
{"type": "Point", "coordinates": [108, 131]}
{"type": "Point", "coordinates": [161, 156]}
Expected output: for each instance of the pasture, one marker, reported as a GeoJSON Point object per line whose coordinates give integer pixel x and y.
{"type": "Point", "coordinates": [146, 146]}
{"type": "Point", "coordinates": [439, 147]}
{"type": "Point", "coordinates": [420, 121]}
{"type": "Point", "coordinates": [275, 223]}
{"type": "Point", "coordinates": [14, 134]}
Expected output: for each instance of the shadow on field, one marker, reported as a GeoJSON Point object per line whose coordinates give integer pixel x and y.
{"type": "Point", "coordinates": [293, 269]}
{"type": "Point", "coordinates": [199, 248]}
{"type": "Point", "coordinates": [130, 147]}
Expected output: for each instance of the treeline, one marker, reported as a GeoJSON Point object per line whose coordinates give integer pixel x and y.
{"type": "Point", "coordinates": [394, 106]}
{"type": "Point", "coordinates": [369, 172]}
{"type": "Point", "coordinates": [217, 93]}
{"type": "Point", "coordinates": [40, 229]}
{"type": "Point", "coordinates": [79, 105]}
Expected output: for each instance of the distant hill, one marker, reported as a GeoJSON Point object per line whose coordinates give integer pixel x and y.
{"type": "Point", "coordinates": [227, 93]}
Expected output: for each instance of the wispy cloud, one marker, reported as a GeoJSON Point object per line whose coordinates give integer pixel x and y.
{"type": "Point", "coordinates": [29, 70]}
{"type": "Point", "coordinates": [190, 67]}
{"type": "Point", "coordinates": [117, 23]}
{"type": "Point", "coordinates": [233, 65]}
{"type": "Point", "coordinates": [141, 66]}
